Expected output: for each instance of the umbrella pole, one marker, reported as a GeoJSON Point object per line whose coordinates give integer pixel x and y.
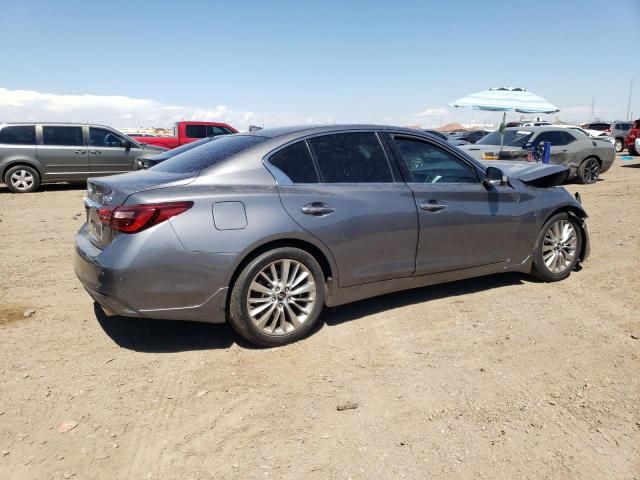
{"type": "Point", "coordinates": [502, 127]}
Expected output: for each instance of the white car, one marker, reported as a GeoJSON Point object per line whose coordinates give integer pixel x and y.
{"type": "Point", "coordinates": [637, 144]}
{"type": "Point", "coordinates": [599, 134]}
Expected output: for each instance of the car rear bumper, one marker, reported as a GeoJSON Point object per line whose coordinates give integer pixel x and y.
{"type": "Point", "coordinates": [150, 291]}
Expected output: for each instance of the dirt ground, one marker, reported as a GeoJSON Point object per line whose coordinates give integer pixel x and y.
{"type": "Point", "coordinates": [499, 377]}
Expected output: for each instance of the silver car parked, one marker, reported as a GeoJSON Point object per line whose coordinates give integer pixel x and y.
{"type": "Point", "coordinates": [36, 153]}
{"type": "Point", "coordinates": [265, 228]}
{"type": "Point", "coordinates": [587, 157]}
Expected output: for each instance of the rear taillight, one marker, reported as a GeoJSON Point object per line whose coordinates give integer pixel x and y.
{"type": "Point", "coordinates": [135, 218]}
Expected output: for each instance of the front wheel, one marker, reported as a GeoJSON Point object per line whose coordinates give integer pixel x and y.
{"type": "Point", "coordinates": [557, 249]}
{"type": "Point", "coordinates": [589, 171]}
{"type": "Point", "coordinates": [277, 298]}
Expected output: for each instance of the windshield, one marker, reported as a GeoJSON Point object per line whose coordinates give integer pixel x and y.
{"type": "Point", "coordinates": [512, 138]}
{"type": "Point", "coordinates": [204, 156]}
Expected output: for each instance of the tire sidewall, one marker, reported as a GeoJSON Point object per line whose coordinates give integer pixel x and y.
{"type": "Point", "coordinates": [581, 171]}
{"type": "Point", "coordinates": [539, 267]}
{"type": "Point", "coordinates": [238, 313]}
{"type": "Point", "coordinates": [31, 170]}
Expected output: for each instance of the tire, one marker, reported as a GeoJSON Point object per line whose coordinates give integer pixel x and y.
{"type": "Point", "coordinates": [22, 179]}
{"type": "Point", "coordinates": [618, 145]}
{"type": "Point", "coordinates": [589, 170]}
{"type": "Point", "coordinates": [278, 318]}
{"type": "Point", "coordinates": [632, 150]}
{"type": "Point", "coordinates": [556, 242]}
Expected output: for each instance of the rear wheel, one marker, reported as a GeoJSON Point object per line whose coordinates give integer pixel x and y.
{"type": "Point", "coordinates": [589, 170]}
{"type": "Point", "coordinates": [22, 179]}
{"type": "Point", "coordinates": [618, 145]}
{"type": "Point", "coordinates": [557, 249]}
{"type": "Point", "coordinates": [277, 298]}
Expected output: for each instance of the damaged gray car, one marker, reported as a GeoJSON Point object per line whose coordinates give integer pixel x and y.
{"type": "Point", "coordinates": [585, 156]}
{"type": "Point", "coordinates": [264, 229]}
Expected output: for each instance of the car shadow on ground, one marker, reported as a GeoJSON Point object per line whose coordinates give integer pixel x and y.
{"type": "Point", "coordinates": [167, 336]}
{"type": "Point", "coordinates": [353, 311]}
{"type": "Point", "coordinates": [631, 165]}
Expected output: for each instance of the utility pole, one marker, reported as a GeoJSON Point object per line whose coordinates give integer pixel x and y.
{"type": "Point", "coordinates": [629, 100]}
{"type": "Point", "coordinates": [593, 101]}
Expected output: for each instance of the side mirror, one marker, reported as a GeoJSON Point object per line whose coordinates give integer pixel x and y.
{"type": "Point", "coordinates": [493, 177]}
{"type": "Point", "coordinates": [127, 145]}
{"type": "Point", "coordinates": [527, 146]}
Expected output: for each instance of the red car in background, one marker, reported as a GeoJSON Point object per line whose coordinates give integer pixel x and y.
{"type": "Point", "coordinates": [187, 132]}
{"type": "Point", "coordinates": [630, 139]}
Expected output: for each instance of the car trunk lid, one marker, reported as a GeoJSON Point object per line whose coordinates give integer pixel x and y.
{"type": "Point", "coordinates": [114, 190]}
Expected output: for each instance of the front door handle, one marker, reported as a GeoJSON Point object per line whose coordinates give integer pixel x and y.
{"type": "Point", "coordinates": [318, 209]}
{"type": "Point", "coordinates": [80, 152]}
{"type": "Point", "coordinates": [432, 206]}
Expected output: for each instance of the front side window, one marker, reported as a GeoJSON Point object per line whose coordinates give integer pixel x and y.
{"type": "Point", "coordinates": [213, 130]}
{"type": "Point", "coordinates": [18, 135]}
{"type": "Point", "coordinates": [354, 157]}
{"type": "Point", "coordinates": [427, 163]}
{"type": "Point", "coordinates": [296, 163]}
{"type": "Point", "coordinates": [62, 136]}
{"type": "Point", "coordinates": [196, 131]}
{"type": "Point", "coordinates": [101, 137]}
{"type": "Point", "coordinates": [554, 138]}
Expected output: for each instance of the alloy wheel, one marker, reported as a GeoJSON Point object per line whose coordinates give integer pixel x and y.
{"type": "Point", "coordinates": [591, 171]}
{"type": "Point", "coordinates": [22, 179]}
{"type": "Point", "coordinates": [281, 297]}
{"type": "Point", "coordinates": [559, 248]}
{"type": "Point", "coordinates": [618, 146]}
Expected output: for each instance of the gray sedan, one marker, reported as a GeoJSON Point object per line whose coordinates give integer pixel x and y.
{"type": "Point", "coordinates": [587, 157]}
{"type": "Point", "coordinates": [265, 228]}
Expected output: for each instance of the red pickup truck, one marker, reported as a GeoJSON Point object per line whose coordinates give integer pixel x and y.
{"type": "Point", "coordinates": [187, 132]}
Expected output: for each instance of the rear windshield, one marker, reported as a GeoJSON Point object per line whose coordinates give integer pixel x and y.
{"type": "Point", "coordinates": [209, 154]}
{"type": "Point", "coordinates": [512, 138]}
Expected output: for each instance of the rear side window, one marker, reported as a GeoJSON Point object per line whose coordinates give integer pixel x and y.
{"type": "Point", "coordinates": [18, 135]}
{"type": "Point", "coordinates": [351, 158]}
{"type": "Point", "coordinates": [196, 131]}
{"type": "Point", "coordinates": [63, 136]}
{"type": "Point", "coordinates": [208, 154]}
{"type": "Point", "coordinates": [296, 163]}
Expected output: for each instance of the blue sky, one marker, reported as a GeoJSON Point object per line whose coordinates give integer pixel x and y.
{"type": "Point", "coordinates": [289, 62]}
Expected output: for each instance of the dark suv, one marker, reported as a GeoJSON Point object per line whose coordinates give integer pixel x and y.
{"type": "Point", "coordinates": [35, 153]}
{"type": "Point", "coordinates": [619, 130]}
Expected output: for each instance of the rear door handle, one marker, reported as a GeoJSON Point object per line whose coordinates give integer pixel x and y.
{"type": "Point", "coordinates": [432, 206]}
{"type": "Point", "coordinates": [95, 152]}
{"type": "Point", "coordinates": [318, 209]}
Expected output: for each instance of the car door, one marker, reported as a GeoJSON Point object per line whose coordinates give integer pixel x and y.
{"type": "Point", "coordinates": [560, 154]}
{"type": "Point", "coordinates": [62, 151]}
{"type": "Point", "coordinates": [462, 224]}
{"type": "Point", "coordinates": [340, 188]}
{"type": "Point", "coordinates": [110, 152]}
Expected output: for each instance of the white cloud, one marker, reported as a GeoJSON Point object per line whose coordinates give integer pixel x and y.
{"type": "Point", "coordinates": [430, 112]}
{"type": "Point", "coordinates": [125, 112]}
